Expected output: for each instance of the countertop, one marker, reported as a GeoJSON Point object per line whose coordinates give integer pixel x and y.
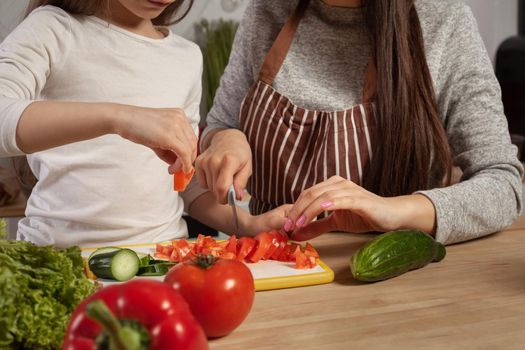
{"type": "Point", "coordinates": [473, 299]}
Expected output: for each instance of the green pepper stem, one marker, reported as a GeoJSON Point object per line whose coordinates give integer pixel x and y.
{"type": "Point", "coordinates": [122, 338]}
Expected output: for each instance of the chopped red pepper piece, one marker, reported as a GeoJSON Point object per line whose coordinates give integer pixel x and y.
{"type": "Point", "coordinates": [182, 179]}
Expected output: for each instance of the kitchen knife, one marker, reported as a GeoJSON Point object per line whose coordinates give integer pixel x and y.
{"type": "Point", "coordinates": [231, 202]}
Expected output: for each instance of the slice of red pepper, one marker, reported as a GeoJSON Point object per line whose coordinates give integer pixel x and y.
{"type": "Point", "coordinates": [182, 179]}
{"type": "Point", "coordinates": [161, 311]}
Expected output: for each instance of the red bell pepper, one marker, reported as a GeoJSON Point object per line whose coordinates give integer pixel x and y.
{"type": "Point", "coordinates": [182, 179]}
{"type": "Point", "coordinates": [140, 314]}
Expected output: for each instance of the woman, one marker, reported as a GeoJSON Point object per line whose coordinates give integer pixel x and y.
{"type": "Point", "coordinates": [360, 109]}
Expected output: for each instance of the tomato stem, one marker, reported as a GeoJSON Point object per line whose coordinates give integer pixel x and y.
{"type": "Point", "coordinates": [204, 261]}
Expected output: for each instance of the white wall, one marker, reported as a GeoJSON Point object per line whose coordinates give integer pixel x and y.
{"type": "Point", "coordinates": [497, 19]}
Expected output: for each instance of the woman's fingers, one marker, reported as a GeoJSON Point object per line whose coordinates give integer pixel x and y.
{"type": "Point", "coordinates": [331, 201]}
{"type": "Point", "coordinates": [314, 229]}
{"type": "Point", "coordinates": [295, 217]}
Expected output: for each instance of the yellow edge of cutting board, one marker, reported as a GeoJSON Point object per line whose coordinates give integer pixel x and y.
{"type": "Point", "coordinates": [296, 281]}
{"type": "Point", "coordinates": [271, 283]}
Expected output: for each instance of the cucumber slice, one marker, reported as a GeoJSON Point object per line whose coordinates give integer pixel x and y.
{"type": "Point", "coordinates": [120, 265]}
{"type": "Point", "coordinates": [103, 250]}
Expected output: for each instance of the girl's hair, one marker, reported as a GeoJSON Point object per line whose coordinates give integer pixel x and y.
{"type": "Point", "coordinates": [91, 7]}
{"type": "Point", "coordinates": [411, 149]}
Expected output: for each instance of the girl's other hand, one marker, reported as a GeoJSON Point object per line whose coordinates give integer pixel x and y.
{"type": "Point", "coordinates": [354, 209]}
{"type": "Point", "coordinates": [269, 221]}
{"type": "Point", "coordinates": [227, 161]}
{"type": "Point", "coordinates": [166, 131]}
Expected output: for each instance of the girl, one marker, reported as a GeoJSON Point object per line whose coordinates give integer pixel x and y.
{"type": "Point", "coordinates": [81, 79]}
{"type": "Point", "coordinates": [361, 108]}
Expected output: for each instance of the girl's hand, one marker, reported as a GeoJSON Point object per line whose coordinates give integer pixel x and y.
{"type": "Point", "coordinates": [271, 220]}
{"type": "Point", "coordinates": [354, 209]}
{"type": "Point", "coordinates": [166, 131]}
{"type": "Point", "coordinates": [227, 161]}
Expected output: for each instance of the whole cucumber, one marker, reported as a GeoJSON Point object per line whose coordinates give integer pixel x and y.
{"type": "Point", "coordinates": [394, 253]}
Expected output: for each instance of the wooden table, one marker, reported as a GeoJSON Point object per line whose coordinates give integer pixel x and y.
{"type": "Point", "coordinates": [474, 299]}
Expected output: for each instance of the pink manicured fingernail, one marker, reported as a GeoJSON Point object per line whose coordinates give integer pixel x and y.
{"type": "Point", "coordinates": [326, 205]}
{"type": "Point", "coordinates": [288, 225]}
{"type": "Point", "coordinates": [300, 222]}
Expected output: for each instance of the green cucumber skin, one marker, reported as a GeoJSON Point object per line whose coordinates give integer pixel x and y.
{"type": "Point", "coordinates": [103, 251]}
{"type": "Point", "coordinates": [394, 253]}
{"type": "Point", "coordinates": [104, 266]}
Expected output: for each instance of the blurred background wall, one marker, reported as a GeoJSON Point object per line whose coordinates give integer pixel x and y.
{"type": "Point", "coordinates": [496, 18]}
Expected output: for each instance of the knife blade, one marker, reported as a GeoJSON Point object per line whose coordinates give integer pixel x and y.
{"type": "Point", "coordinates": [231, 202]}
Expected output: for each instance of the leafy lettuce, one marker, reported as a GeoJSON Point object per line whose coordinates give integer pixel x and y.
{"type": "Point", "coordinates": [39, 289]}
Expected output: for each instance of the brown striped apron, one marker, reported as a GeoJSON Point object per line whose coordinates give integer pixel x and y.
{"type": "Point", "coordinates": [294, 148]}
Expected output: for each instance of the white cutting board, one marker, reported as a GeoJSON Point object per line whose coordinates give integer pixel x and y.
{"type": "Point", "coordinates": [267, 274]}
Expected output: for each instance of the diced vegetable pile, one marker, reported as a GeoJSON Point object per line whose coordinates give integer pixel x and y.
{"type": "Point", "coordinates": [272, 245]}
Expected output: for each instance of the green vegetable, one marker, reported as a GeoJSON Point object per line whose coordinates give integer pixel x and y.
{"type": "Point", "coordinates": [103, 250]}
{"type": "Point", "coordinates": [39, 289]}
{"type": "Point", "coordinates": [217, 40]}
{"type": "Point", "coordinates": [152, 267]}
{"type": "Point", "coordinates": [3, 229]}
{"type": "Point", "coordinates": [159, 269]}
{"type": "Point", "coordinates": [120, 264]}
{"type": "Point", "coordinates": [394, 253]}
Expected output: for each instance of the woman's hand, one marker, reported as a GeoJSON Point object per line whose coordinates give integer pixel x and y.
{"type": "Point", "coordinates": [227, 160]}
{"type": "Point", "coordinates": [354, 209]}
{"type": "Point", "coordinates": [166, 131]}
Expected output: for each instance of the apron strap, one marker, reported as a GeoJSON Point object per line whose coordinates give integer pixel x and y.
{"type": "Point", "coordinates": [277, 54]}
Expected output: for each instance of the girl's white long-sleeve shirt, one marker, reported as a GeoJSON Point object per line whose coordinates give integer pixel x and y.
{"type": "Point", "coordinates": [108, 190]}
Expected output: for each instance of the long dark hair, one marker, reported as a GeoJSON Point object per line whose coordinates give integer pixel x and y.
{"type": "Point", "coordinates": [91, 7]}
{"type": "Point", "coordinates": [411, 147]}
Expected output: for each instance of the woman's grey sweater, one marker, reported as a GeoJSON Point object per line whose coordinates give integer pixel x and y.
{"type": "Point", "coordinates": [324, 71]}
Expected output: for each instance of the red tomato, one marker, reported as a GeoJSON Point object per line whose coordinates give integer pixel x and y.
{"type": "Point", "coordinates": [264, 240]}
{"type": "Point", "coordinates": [164, 249]}
{"type": "Point", "coordinates": [228, 255]}
{"type": "Point", "coordinates": [288, 252]}
{"type": "Point", "coordinates": [309, 250]}
{"type": "Point", "coordinates": [278, 251]}
{"type": "Point", "coordinates": [182, 179]}
{"type": "Point", "coordinates": [220, 293]}
{"type": "Point", "coordinates": [244, 247]}
{"type": "Point", "coordinates": [232, 245]}
{"type": "Point", "coordinates": [300, 259]}
{"type": "Point", "coordinates": [280, 236]}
